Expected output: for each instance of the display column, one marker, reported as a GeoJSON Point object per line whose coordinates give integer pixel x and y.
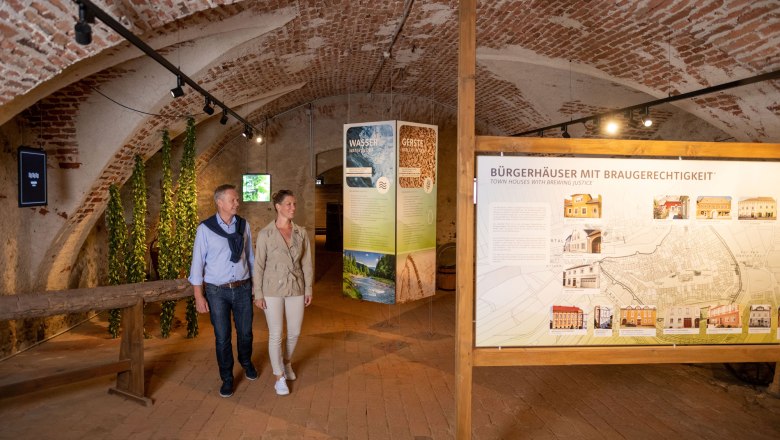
{"type": "Point", "coordinates": [389, 211]}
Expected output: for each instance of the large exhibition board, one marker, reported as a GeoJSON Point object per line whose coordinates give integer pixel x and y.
{"type": "Point", "coordinates": [601, 251]}
{"type": "Point", "coordinates": [390, 211]}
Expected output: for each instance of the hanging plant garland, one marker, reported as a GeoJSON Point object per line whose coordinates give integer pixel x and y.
{"type": "Point", "coordinates": [167, 269]}
{"type": "Point", "coordinates": [136, 262]}
{"type": "Point", "coordinates": [136, 266]}
{"type": "Point", "coordinates": [117, 249]}
{"type": "Point", "coordinates": [187, 219]}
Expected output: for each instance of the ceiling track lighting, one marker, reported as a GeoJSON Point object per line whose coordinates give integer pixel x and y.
{"type": "Point", "coordinates": [646, 121]}
{"type": "Point", "coordinates": [178, 90]}
{"type": "Point", "coordinates": [645, 106]}
{"type": "Point", "coordinates": [208, 109]}
{"type": "Point", "coordinates": [89, 11]}
{"type": "Point", "coordinates": [82, 29]}
{"type": "Point", "coordinates": [247, 132]}
{"type": "Point", "coordinates": [631, 121]}
{"type": "Point", "coordinates": [611, 127]}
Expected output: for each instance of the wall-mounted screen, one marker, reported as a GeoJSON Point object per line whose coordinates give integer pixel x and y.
{"type": "Point", "coordinates": [32, 177]}
{"type": "Point", "coordinates": [256, 187]}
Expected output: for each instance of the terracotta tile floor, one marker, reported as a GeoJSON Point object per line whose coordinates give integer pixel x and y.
{"type": "Point", "coordinates": [368, 371]}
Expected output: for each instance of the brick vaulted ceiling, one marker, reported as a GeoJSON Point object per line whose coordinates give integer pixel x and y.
{"type": "Point", "coordinates": [539, 62]}
{"type": "Point", "coordinates": [657, 47]}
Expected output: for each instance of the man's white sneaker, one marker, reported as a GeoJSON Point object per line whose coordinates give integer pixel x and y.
{"type": "Point", "coordinates": [288, 371]}
{"type": "Point", "coordinates": [281, 387]}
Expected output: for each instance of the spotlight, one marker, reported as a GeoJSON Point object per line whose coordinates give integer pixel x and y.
{"type": "Point", "coordinates": [177, 91]}
{"type": "Point", "coordinates": [223, 120]}
{"type": "Point", "coordinates": [82, 28]}
{"type": "Point", "coordinates": [247, 131]}
{"type": "Point", "coordinates": [565, 132]}
{"type": "Point", "coordinates": [646, 121]}
{"type": "Point", "coordinates": [541, 133]}
{"type": "Point", "coordinates": [208, 109]}
{"type": "Point", "coordinates": [612, 127]}
{"type": "Point", "coordinates": [259, 139]}
{"type": "Point", "coordinates": [630, 118]}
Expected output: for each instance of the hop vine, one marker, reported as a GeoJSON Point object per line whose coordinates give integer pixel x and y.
{"type": "Point", "coordinates": [167, 269]}
{"type": "Point", "coordinates": [117, 251]}
{"type": "Point", "coordinates": [136, 267]}
{"type": "Point", "coordinates": [187, 218]}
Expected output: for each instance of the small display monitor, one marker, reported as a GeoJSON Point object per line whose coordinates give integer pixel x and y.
{"type": "Point", "coordinates": [256, 187]}
{"type": "Point", "coordinates": [32, 177]}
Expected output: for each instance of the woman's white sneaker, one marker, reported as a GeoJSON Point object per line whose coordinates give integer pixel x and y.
{"type": "Point", "coordinates": [288, 371]}
{"type": "Point", "coordinates": [281, 387]}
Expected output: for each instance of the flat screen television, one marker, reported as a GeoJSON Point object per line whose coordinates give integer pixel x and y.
{"type": "Point", "coordinates": [256, 187]}
{"type": "Point", "coordinates": [32, 177]}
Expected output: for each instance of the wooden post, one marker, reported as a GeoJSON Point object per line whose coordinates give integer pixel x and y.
{"type": "Point", "coordinates": [774, 387]}
{"type": "Point", "coordinates": [130, 383]}
{"type": "Point", "coordinates": [467, 66]}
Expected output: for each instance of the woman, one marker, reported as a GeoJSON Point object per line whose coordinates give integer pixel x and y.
{"type": "Point", "coordinates": [282, 279]}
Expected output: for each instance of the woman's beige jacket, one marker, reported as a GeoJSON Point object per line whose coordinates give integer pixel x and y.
{"type": "Point", "coordinates": [279, 270]}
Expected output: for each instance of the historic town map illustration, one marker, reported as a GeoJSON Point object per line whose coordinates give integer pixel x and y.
{"type": "Point", "coordinates": [586, 251]}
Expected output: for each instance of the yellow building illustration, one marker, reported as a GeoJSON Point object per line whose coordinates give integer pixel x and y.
{"type": "Point", "coordinates": [758, 208]}
{"type": "Point", "coordinates": [582, 206]}
{"type": "Point", "coordinates": [713, 207]}
{"type": "Point", "coordinates": [638, 316]}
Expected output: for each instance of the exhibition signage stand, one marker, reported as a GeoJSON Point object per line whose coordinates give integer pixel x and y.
{"type": "Point", "coordinates": [645, 260]}
{"type": "Point", "coordinates": [390, 211]}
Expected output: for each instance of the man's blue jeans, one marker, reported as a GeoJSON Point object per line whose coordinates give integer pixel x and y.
{"type": "Point", "coordinates": [222, 301]}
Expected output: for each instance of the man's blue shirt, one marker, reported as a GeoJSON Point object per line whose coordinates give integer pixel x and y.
{"type": "Point", "coordinates": [211, 256]}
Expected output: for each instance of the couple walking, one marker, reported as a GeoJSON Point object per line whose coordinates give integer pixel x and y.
{"type": "Point", "coordinates": [226, 274]}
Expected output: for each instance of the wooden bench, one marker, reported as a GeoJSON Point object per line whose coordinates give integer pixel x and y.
{"type": "Point", "coordinates": [130, 298]}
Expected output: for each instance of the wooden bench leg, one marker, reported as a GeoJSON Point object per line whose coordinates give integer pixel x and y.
{"type": "Point", "coordinates": [130, 383]}
{"type": "Point", "coordinates": [774, 387]}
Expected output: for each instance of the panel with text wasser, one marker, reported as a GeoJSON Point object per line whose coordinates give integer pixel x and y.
{"type": "Point", "coordinates": [601, 251]}
{"type": "Point", "coordinates": [369, 211]}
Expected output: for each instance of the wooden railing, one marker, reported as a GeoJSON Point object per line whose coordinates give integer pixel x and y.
{"type": "Point", "coordinates": [130, 298]}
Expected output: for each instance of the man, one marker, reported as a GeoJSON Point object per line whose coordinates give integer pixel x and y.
{"type": "Point", "coordinates": [220, 274]}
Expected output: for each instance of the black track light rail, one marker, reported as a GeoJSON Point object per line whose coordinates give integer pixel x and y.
{"type": "Point", "coordinates": [714, 89]}
{"type": "Point", "coordinates": [148, 50]}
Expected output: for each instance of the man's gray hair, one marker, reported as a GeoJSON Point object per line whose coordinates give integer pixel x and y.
{"type": "Point", "coordinates": [221, 190]}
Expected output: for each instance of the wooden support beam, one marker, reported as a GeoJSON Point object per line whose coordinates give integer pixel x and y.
{"type": "Point", "coordinates": [467, 66]}
{"type": "Point", "coordinates": [615, 147]}
{"type": "Point", "coordinates": [65, 378]}
{"type": "Point", "coordinates": [58, 302]}
{"type": "Point", "coordinates": [774, 387]}
{"type": "Point", "coordinates": [130, 383]}
{"type": "Point", "coordinates": [617, 355]}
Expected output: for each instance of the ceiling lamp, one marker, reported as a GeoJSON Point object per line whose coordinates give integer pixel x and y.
{"type": "Point", "coordinates": [82, 28]}
{"type": "Point", "coordinates": [208, 109]}
{"type": "Point", "coordinates": [177, 91]}
{"type": "Point", "coordinates": [612, 127]}
{"type": "Point", "coordinates": [259, 139]}
{"type": "Point", "coordinates": [247, 132]}
{"type": "Point", "coordinates": [223, 120]}
{"type": "Point", "coordinates": [646, 121]}
{"type": "Point", "coordinates": [565, 132]}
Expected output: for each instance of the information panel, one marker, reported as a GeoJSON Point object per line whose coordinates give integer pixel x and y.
{"type": "Point", "coordinates": [416, 208]}
{"type": "Point", "coordinates": [598, 251]}
{"type": "Point", "coordinates": [390, 211]}
{"type": "Point", "coordinates": [369, 211]}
